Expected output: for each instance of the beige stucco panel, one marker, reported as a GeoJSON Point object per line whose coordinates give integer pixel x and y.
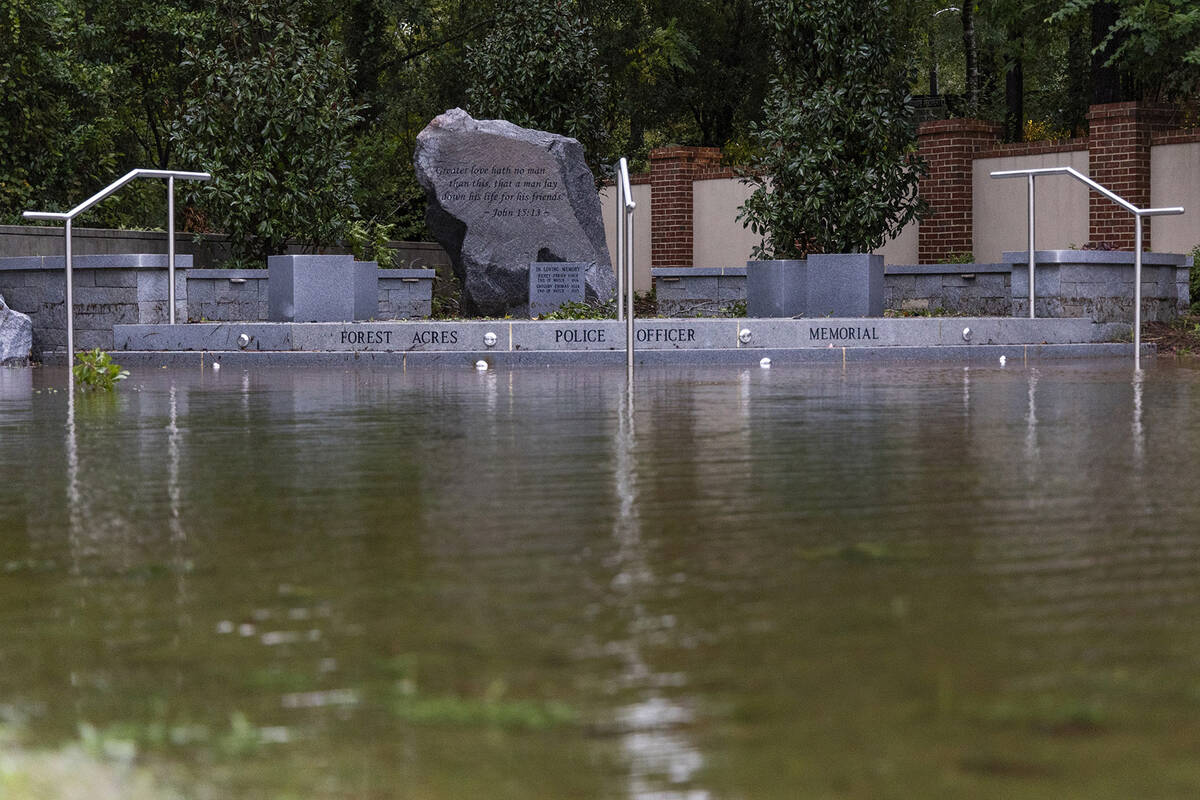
{"type": "Point", "coordinates": [1175, 181]}
{"type": "Point", "coordinates": [718, 239]}
{"type": "Point", "coordinates": [641, 231]}
{"type": "Point", "coordinates": [902, 249]}
{"type": "Point", "coordinates": [1001, 209]}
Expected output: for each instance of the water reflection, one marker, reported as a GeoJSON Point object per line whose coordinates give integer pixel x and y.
{"type": "Point", "coordinates": [657, 750]}
{"type": "Point", "coordinates": [814, 575]}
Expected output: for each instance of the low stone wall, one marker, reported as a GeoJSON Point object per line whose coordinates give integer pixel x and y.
{"type": "Point", "coordinates": [108, 290]}
{"type": "Point", "coordinates": [972, 289]}
{"type": "Point", "coordinates": [699, 291]}
{"type": "Point", "coordinates": [227, 295]}
{"type": "Point", "coordinates": [975, 289]}
{"type": "Point", "coordinates": [405, 293]}
{"type": "Point", "coordinates": [240, 295]}
{"type": "Point", "coordinates": [206, 250]}
{"type": "Point", "coordinates": [1099, 284]}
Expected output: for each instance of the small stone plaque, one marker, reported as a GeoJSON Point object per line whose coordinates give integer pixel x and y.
{"type": "Point", "coordinates": [552, 283]}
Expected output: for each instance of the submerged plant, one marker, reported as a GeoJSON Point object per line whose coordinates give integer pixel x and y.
{"type": "Point", "coordinates": [94, 369]}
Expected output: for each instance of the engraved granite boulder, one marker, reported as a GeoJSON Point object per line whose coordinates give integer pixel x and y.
{"type": "Point", "coordinates": [16, 336]}
{"type": "Point", "coordinates": [501, 196]}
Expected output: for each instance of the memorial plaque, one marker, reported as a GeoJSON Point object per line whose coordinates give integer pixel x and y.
{"type": "Point", "coordinates": [552, 283]}
{"type": "Point", "coordinates": [501, 197]}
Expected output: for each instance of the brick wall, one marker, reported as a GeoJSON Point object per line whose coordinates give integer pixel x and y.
{"type": "Point", "coordinates": [1119, 142]}
{"type": "Point", "coordinates": [948, 147]}
{"type": "Point", "coordinates": [672, 171]}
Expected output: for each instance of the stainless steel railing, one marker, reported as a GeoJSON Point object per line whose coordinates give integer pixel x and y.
{"type": "Point", "coordinates": [625, 207]}
{"type": "Point", "coordinates": [1138, 213]}
{"type": "Point", "coordinates": [67, 216]}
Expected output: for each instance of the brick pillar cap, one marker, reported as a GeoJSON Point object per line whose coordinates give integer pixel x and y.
{"type": "Point", "coordinates": [681, 151]}
{"type": "Point", "coordinates": [960, 125]}
{"type": "Point", "coordinates": [1127, 109]}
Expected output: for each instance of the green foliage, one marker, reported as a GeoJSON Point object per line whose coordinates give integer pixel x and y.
{"type": "Point", "coordinates": [1155, 41]}
{"type": "Point", "coordinates": [735, 309]}
{"type": "Point", "coordinates": [1194, 280]}
{"type": "Point", "coordinates": [837, 160]}
{"type": "Point", "coordinates": [645, 304]}
{"type": "Point", "coordinates": [369, 242]}
{"type": "Point", "coordinates": [269, 115]}
{"type": "Point", "coordinates": [537, 66]}
{"type": "Point", "coordinates": [94, 369]}
{"type": "Point", "coordinates": [583, 310]}
{"type": "Point", "coordinates": [965, 257]}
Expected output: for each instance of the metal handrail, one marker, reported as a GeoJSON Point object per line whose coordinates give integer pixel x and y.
{"type": "Point", "coordinates": [1138, 213]}
{"type": "Point", "coordinates": [67, 216]}
{"type": "Point", "coordinates": [625, 207]}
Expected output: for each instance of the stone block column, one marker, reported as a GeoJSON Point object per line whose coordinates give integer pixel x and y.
{"type": "Point", "coordinates": [672, 171]}
{"type": "Point", "coordinates": [948, 147]}
{"type": "Point", "coordinates": [1119, 136]}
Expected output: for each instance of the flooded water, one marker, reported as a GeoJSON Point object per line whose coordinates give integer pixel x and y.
{"type": "Point", "coordinates": [796, 582]}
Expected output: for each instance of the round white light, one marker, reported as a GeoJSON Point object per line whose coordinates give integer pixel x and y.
{"type": "Point", "coordinates": [489, 339]}
{"type": "Point", "coordinates": [1003, 359]}
{"type": "Point", "coordinates": [481, 365]}
{"type": "Point", "coordinates": [966, 334]}
{"type": "Point", "coordinates": [243, 340]}
{"type": "Point", "coordinates": [765, 363]}
{"type": "Point", "coordinates": [216, 365]}
{"type": "Point", "coordinates": [744, 336]}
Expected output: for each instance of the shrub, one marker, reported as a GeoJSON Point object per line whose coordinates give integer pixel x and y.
{"type": "Point", "coordinates": [837, 153]}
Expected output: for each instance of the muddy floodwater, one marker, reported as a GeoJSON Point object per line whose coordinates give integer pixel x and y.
{"type": "Point", "coordinates": [884, 582]}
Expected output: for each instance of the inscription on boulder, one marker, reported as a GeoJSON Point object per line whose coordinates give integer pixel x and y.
{"type": "Point", "coordinates": [501, 197]}
{"type": "Point", "coordinates": [552, 283]}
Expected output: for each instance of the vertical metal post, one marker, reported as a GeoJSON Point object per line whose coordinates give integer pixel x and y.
{"type": "Point", "coordinates": [171, 249]}
{"type": "Point", "coordinates": [1137, 293]}
{"type": "Point", "coordinates": [629, 290]}
{"type": "Point", "coordinates": [1031, 245]}
{"type": "Point", "coordinates": [620, 254]}
{"type": "Point", "coordinates": [70, 302]}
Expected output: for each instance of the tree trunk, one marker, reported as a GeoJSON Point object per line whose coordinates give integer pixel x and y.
{"type": "Point", "coordinates": [970, 54]}
{"type": "Point", "coordinates": [1106, 81]}
{"type": "Point", "coordinates": [1014, 99]}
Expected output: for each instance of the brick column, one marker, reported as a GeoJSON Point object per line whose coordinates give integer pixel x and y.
{"type": "Point", "coordinates": [1119, 137]}
{"type": "Point", "coordinates": [948, 147]}
{"type": "Point", "coordinates": [672, 171]}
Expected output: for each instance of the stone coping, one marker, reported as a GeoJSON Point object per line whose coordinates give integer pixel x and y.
{"type": "Point", "coordinates": [120, 261]}
{"type": "Point", "coordinates": [889, 269]}
{"type": "Point", "coordinates": [698, 272]}
{"type": "Point", "coordinates": [262, 274]}
{"type": "Point", "coordinates": [408, 272]}
{"type": "Point", "coordinates": [945, 269]}
{"type": "Point", "coordinates": [1097, 257]}
{"type": "Point", "coordinates": [1016, 357]}
{"type": "Point", "coordinates": [652, 333]}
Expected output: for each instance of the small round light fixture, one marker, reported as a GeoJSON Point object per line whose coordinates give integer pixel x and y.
{"type": "Point", "coordinates": [216, 366]}
{"type": "Point", "coordinates": [1003, 359]}
{"type": "Point", "coordinates": [765, 363]}
{"type": "Point", "coordinates": [243, 340]}
{"type": "Point", "coordinates": [966, 334]}
{"type": "Point", "coordinates": [481, 365]}
{"type": "Point", "coordinates": [489, 339]}
{"type": "Point", "coordinates": [744, 336]}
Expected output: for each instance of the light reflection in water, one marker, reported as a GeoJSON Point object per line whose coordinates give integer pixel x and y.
{"type": "Point", "coordinates": [650, 738]}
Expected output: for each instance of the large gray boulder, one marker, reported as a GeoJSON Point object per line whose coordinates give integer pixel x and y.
{"type": "Point", "coordinates": [501, 196]}
{"type": "Point", "coordinates": [16, 336]}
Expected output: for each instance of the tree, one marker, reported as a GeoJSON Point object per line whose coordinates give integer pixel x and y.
{"type": "Point", "coordinates": [537, 66]}
{"type": "Point", "coordinates": [269, 115]}
{"type": "Point", "coordinates": [1148, 48]}
{"type": "Point", "coordinates": [838, 165]}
